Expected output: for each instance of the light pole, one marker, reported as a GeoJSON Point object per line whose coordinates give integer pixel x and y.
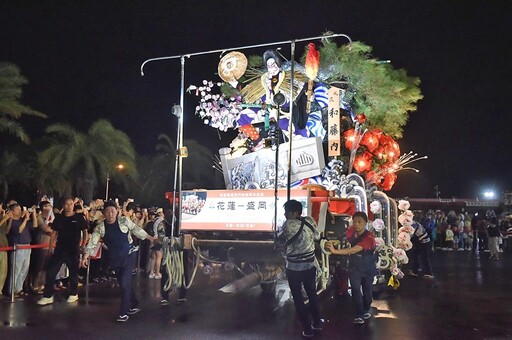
{"type": "Point", "coordinates": [119, 167]}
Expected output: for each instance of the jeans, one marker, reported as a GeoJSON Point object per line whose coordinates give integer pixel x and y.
{"type": "Point", "coordinates": [71, 259]}
{"type": "Point", "coordinates": [307, 278]}
{"type": "Point", "coordinates": [21, 268]}
{"type": "Point", "coordinates": [124, 278]}
{"type": "Point", "coordinates": [362, 300]}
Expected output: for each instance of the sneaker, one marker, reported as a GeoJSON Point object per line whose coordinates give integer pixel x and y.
{"type": "Point", "coordinates": [158, 276]}
{"type": "Point", "coordinates": [366, 316]}
{"type": "Point", "coordinates": [308, 334]}
{"type": "Point", "coordinates": [317, 326]}
{"type": "Point", "coordinates": [164, 302]}
{"type": "Point", "coordinates": [122, 318]}
{"type": "Point", "coordinates": [72, 298]}
{"type": "Point", "coordinates": [134, 310]}
{"type": "Point", "coordinates": [181, 300]}
{"type": "Point", "coordinates": [45, 301]}
{"type": "Point", "coordinates": [428, 276]}
{"type": "Point", "coordinates": [152, 275]}
{"type": "Point", "coordinates": [358, 321]}
{"type": "Point", "coordinates": [412, 274]}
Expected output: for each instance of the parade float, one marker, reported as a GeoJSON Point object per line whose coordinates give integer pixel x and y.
{"type": "Point", "coordinates": [322, 130]}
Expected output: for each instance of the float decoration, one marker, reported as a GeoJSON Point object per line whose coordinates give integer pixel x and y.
{"type": "Point", "coordinates": [363, 84]}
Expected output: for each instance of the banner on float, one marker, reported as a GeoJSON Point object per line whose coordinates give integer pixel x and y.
{"type": "Point", "coordinates": [333, 122]}
{"type": "Point", "coordinates": [236, 210]}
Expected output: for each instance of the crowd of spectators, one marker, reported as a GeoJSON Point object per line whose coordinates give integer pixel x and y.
{"type": "Point", "coordinates": [30, 229]}
{"type": "Point", "coordinates": [464, 231]}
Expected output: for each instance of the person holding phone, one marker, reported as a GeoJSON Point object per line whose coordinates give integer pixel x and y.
{"type": "Point", "coordinates": [21, 223]}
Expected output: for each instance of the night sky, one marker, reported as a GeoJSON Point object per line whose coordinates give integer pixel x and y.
{"type": "Point", "coordinates": [82, 60]}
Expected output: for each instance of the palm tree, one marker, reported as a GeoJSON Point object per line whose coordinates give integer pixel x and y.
{"type": "Point", "coordinates": [78, 162]}
{"type": "Point", "coordinates": [197, 166]}
{"type": "Point", "coordinates": [13, 170]}
{"type": "Point", "coordinates": [11, 109]}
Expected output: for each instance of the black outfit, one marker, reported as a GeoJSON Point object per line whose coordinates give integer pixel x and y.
{"type": "Point", "coordinates": [67, 251]}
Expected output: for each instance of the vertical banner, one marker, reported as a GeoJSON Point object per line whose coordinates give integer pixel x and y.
{"type": "Point", "coordinates": [333, 129]}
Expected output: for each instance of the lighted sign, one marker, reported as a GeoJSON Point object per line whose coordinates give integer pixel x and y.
{"type": "Point", "coordinates": [236, 210]}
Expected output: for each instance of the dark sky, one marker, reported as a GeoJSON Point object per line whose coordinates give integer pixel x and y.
{"type": "Point", "coordinates": [82, 59]}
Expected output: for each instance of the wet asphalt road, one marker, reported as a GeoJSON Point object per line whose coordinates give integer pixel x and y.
{"type": "Point", "coordinates": [470, 298]}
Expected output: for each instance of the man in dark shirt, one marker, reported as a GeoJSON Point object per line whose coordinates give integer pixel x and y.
{"type": "Point", "coordinates": [70, 229]}
{"type": "Point", "coordinates": [21, 222]}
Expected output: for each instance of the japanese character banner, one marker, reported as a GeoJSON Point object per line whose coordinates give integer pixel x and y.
{"type": "Point", "coordinates": [333, 122]}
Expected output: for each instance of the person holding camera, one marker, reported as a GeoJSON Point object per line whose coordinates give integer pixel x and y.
{"type": "Point", "coordinates": [22, 220]}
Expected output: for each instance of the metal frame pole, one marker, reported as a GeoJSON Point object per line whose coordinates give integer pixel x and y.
{"type": "Point", "coordinates": [13, 280]}
{"type": "Point", "coordinates": [290, 124]}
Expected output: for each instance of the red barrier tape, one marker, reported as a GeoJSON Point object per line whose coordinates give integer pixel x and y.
{"type": "Point", "coordinates": [26, 246]}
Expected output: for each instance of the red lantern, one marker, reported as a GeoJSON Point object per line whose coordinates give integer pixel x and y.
{"type": "Point", "coordinates": [370, 141]}
{"type": "Point", "coordinates": [385, 140]}
{"type": "Point", "coordinates": [389, 181]}
{"type": "Point", "coordinates": [362, 163]}
{"type": "Point", "coordinates": [371, 177]}
{"type": "Point", "coordinates": [350, 138]}
{"type": "Point", "coordinates": [377, 133]}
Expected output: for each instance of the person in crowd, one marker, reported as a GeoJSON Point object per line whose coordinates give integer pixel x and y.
{"type": "Point", "coordinates": [70, 231]}
{"type": "Point", "coordinates": [156, 248]}
{"type": "Point", "coordinates": [449, 238]}
{"type": "Point", "coordinates": [116, 231]}
{"type": "Point", "coordinates": [22, 220]}
{"type": "Point", "coordinates": [298, 235]}
{"type": "Point", "coordinates": [493, 235]}
{"type": "Point", "coordinates": [362, 264]}
{"type": "Point", "coordinates": [420, 252]}
{"type": "Point", "coordinates": [42, 255]}
{"type": "Point", "coordinates": [5, 226]}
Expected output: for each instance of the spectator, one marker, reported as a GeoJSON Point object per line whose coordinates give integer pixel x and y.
{"type": "Point", "coordinates": [449, 238]}
{"type": "Point", "coordinates": [42, 255]}
{"type": "Point", "coordinates": [493, 234]}
{"type": "Point", "coordinates": [22, 220]}
{"type": "Point", "coordinates": [420, 252]}
{"type": "Point", "coordinates": [70, 231]}
{"type": "Point", "coordinates": [5, 226]}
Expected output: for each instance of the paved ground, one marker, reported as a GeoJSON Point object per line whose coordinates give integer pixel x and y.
{"type": "Point", "coordinates": [470, 298]}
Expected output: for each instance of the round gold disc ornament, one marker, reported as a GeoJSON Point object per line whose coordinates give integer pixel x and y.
{"type": "Point", "coordinates": [232, 66]}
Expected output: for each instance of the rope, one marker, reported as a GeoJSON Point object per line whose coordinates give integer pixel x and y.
{"type": "Point", "coordinates": [324, 267]}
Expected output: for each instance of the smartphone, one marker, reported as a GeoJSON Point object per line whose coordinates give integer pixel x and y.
{"type": "Point", "coordinates": [130, 200]}
{"type": "Point", "coordinates": [29, 210]}
{"type": "Point", "coordinates": [24, 208]}
{"type": "Point", "coordinates": [117, 200]}
{"type": "Point", "coordinates": [146, 210]}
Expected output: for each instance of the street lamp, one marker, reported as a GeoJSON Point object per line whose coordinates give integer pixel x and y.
{"type": "Point", "coordinates": [119, 167]}
{"type": "Point", "coordinates": [489, 194]}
